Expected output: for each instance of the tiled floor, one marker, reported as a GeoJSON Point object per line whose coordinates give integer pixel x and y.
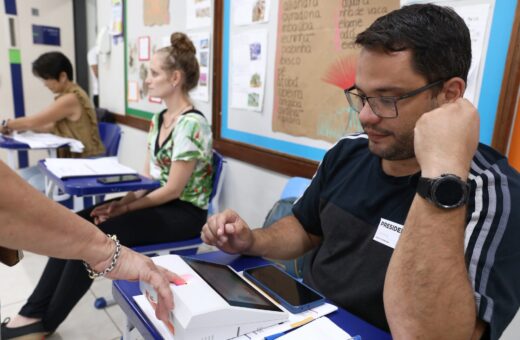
{"type": "Point", "coordinates": [83, 323]}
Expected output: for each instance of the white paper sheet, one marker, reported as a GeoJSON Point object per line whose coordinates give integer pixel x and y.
{"type": "Point", "coordinates": [198, 14]}
{"type": "Point", "coordinates": [321, 328]}
{"type": "Point", "coordinates": [202, 42]}
{"type": "Point", "coordinates": [80, 167]}
{"type": "Point", "coordinates": [47, 140]}
{"type": "Point", "coordinates": [248, 69]}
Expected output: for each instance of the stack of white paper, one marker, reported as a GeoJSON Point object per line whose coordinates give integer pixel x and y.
{"type": "Point", "coordinates": [81, 167]}
{"type": "Point", "coordinates": [47, 140]}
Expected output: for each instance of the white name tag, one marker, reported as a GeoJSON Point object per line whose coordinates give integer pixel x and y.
{"type": "Point", "coordinates": [388, 233]}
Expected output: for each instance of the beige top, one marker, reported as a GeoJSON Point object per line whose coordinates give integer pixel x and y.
{"type": "Point", "coordinates": [85, 129]}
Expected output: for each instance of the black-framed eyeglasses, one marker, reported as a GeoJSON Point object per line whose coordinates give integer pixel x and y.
{"type": "Point", "coordinates": [383, 106]}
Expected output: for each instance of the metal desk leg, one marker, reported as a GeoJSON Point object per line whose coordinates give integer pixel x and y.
{"type": "Point", "coordinates": [49, 187]}
{"type": "Point", "coordinates": [127, 327]}
{"type": "Point", "coordinates": [11, 159]}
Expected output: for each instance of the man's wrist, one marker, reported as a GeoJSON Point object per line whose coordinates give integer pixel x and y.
{"type": "Point", "coordinates": [433, 172]}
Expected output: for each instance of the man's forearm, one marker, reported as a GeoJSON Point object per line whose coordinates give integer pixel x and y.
{"type": "Point", "coordinates": [427, 292]}
{"type": "Point", "coordinates": [286, 239]}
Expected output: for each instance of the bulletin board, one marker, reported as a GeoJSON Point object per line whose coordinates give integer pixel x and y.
{"type": "Point", "coordinates": [148, 26]}
{"type": "Point", "coordinates": [254, 128]}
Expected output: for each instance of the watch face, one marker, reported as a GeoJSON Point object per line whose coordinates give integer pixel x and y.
{"type": "Point", "coordinates": [449, 192]}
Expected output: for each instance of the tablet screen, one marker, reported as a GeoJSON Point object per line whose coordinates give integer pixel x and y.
{"type": "Point", "coordinates": [230, 285]}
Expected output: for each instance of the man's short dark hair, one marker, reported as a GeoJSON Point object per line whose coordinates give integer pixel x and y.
{"type": "Point", "coordinates": [437, 36]}
{"type": "Point", "coordinates": [50, 65]}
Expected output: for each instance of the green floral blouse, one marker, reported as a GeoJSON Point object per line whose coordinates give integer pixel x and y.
{"type": "Point", "coordinates": [190, 139]}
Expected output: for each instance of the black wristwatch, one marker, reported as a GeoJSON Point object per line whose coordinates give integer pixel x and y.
{"type": "Point", "coordinates": [447, 191]}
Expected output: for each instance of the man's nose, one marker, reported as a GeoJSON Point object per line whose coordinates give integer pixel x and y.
{"type": "Point", "coordinates": [367, 115]}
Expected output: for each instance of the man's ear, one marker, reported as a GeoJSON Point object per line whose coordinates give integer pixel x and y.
{"type": "Point", "coordinates": [452, 90]}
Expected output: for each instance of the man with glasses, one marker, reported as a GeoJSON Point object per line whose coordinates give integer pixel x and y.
{"type": "Point", "coordinates": [411, 224]}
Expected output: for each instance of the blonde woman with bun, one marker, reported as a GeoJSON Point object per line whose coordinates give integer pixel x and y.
{"type": "Point", "coordinates": [179, 155]}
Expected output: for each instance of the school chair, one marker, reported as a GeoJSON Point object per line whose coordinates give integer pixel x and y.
{"type": "Point", "coordinates": [110, 136]}
{"type": "Point", "coordinates": [293, 189]}
{"type": "Point", "coordinates": [186, 247]}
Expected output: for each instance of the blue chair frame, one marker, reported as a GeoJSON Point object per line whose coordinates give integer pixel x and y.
{"type": "Point", "coordinates": [110, 136]}
{"type": "Point", "coordinates": [295, 187]}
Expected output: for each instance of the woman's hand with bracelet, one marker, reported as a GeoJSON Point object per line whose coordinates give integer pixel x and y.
{"type": "Point", "coordinates": [125, 264]}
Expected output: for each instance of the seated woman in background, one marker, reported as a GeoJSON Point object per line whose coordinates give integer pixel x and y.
{"type": "Point", "coordinates": [71, 114]}
{"type": "Point", "coordinates": [179, 156]}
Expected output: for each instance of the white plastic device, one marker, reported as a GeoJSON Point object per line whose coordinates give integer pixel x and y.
{"type": "Point", "coordinates": [215, 302]}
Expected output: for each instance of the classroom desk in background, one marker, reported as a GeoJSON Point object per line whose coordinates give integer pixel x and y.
{"type": "Point", "coordinates": [12, 146]}
{"type": "Point", "coordinates": [89, 186]}
{"type": "Point", "coordinates": [124, 291]}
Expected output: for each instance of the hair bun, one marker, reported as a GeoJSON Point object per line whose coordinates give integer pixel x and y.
{"type": "Point", "coordinates": [181, 43]}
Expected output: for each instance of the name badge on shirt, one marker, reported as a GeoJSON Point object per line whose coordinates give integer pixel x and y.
{"type": "Point", "coordinates": [388, 233]}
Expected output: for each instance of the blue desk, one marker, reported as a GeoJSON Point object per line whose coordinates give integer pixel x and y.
{"type": "Point", "coordinates": [89, 186]}
{"type": "Point", "coordinates": [12, 146]}
{"type": "Point", "coordinates": [124, 291]}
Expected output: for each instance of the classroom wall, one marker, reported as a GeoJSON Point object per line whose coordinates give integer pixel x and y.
{"type": "Point", "coordinates": [36, 95]}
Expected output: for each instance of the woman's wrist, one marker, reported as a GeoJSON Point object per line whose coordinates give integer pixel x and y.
{"type": "Point", "coordinates": [109, 262]}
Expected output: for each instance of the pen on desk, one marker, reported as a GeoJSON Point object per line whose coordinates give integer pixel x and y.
{"type": "Point", "coordinates": [277, 335]}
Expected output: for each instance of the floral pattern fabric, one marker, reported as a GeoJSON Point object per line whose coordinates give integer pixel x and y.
{"type": "Point", "coordinates": [191, 139]}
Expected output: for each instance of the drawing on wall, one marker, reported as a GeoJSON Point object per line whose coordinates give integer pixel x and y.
{"type": "Point", "coordinates": [249, 12]}
{"type": "Point", "coordinates": [198, 14]}
{"type": "Point", "coordinates": [248, 70]}
{"type": "Point", "coordinates": [156, 12]}
{"type": "Point", "coordinates": [144, 48]}
{"type": "Point", "coordinates": [116, 21]}
{"type": "Point", "coordinates": [133, 91]}
{"type": "Point", "coordinates": [202, 45]}
{"type": "Point", "coordinates": [143, 74]}
{"type": "Point", "coordinates": [258, 12]}
{"type": "Point", "coordinates": [313, 68]}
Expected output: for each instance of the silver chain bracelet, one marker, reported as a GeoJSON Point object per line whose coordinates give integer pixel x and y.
{"type": "Point", "coordinates": [93, 274]}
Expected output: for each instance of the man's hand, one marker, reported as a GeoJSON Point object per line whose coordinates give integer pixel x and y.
{"type": "Point", "coordinates": [446, 139]}
{"type": "Point", "coordinates": [228, 232]}
{"type": "Point", "coordinates": [134, 266]}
